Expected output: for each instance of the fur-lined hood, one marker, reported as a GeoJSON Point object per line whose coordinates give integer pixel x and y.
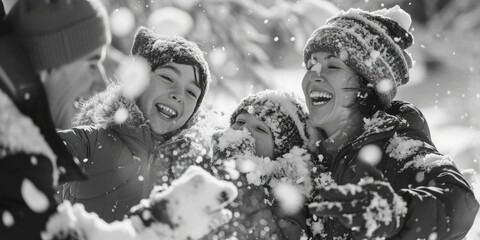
{"type": "Point", "coordinates": [100, 109]}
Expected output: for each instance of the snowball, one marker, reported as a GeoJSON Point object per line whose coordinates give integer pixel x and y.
{"type": "Point", "coordinates": [370, 154]}
{"type": "Point", "coordinates": [33, 197]}
{"type": "Point", "coordinates": [170, 21]}
{"type": "Point", "coordinates": [134, 74]}
{"type": "Point", "coordinates": [120, 116]}
{"type": "Point", "coordinates": [122, 22]}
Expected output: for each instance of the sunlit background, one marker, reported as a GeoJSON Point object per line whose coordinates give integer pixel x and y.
{"type": "Point", "coordinates": [256, 45]}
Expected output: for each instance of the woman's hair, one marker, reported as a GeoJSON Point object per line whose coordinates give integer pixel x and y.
{"type": "Point", "coordinates": [367, 102]}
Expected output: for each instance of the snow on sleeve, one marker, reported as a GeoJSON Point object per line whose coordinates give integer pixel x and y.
{"type": "Point", "coordinates": [401, 148]}
{"type": "Point", "coordinates": [18, 134]}
{"type": "Point", "coordinates": [429, 161]}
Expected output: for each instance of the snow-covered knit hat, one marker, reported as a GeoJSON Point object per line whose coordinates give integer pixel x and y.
{"type": "Point", "coordinates": [372, 43]}
{"type": "Point", "coordinates": [284, 113]}
{"type": "Point", "coordinates": [57, 32]}
{"type": "Point", "coordinates": [161, 49]}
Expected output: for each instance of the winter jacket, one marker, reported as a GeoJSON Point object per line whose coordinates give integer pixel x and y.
{"type": "Point", "coordinates": [123, 161]}
{"type": "Point", "coordinates": [33, 159]}
{"type": "Point", "coordinates": [438, 197]}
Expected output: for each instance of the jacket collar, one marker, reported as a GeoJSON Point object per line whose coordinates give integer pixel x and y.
{"type": "Point", "coordinates": [381, 125]}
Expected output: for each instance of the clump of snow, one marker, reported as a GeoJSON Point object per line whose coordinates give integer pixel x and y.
{"type": "Point", "coordinates": [18, 134]}
{"type": "Point", "coordinates": [134, 76]}
{"type": "Point", "coordinates": [429, 161]}
{"type": "Point", "coordinates": [379, 122]}
{"type": "Point", "coordinates": [398, 15]}
{"type": "Point", "coordinates": [401, 148]}
{"type": "Point", "coordinates": [237, 141]}
{"type": "Point", "coordinates": [33, 197]}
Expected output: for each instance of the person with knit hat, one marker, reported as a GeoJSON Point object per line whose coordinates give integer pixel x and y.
{"type": "Point", "coordinates": [33, 160]}
{"type": "Point", "coordinates": [267, 125]}
{"type": "Point", "coordinates": [130, 143]}
{"type": "Point", "coordinates": [66, 44]}
{"type": "Point", "coordinates": [389, 180]}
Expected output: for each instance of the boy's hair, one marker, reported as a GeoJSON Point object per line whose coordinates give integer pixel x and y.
{"type": "Point", "coordinates": [159, 50]}
{"type": "Point", "coordinates": [284, 113]}
{"type": "Point", "coordinates": [372, 43]}
{"type": "Point", "coordinates": [58, 32]}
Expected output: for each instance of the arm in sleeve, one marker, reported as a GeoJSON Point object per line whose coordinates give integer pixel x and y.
{"type": "Point", "coordinates": [80, 141]}
{"type": "Point", "coordinates": [441, 204]}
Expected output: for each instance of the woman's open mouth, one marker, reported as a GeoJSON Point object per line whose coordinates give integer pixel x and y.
{"type": "Point", "coordinates": [320, 97]}
{"type": "Point", "coordinates": [166, 111]}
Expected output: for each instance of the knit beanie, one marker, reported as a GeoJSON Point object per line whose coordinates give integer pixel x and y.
{"type": "Point", "coordinates": [159, 50]}
{"type": "Point", "coordinates": [371, 43]}
{"type": "Point", "coordinates": [284, 113]}
{"type": "Point", "coordinates": [57, 32]}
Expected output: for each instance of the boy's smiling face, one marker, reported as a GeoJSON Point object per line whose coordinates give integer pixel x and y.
{"type": "Point", "coordinates": [171, 97]}
{"type": "Point", "coordinates": [260, 132]}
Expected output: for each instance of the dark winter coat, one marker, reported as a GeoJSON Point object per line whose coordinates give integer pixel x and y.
{"type": "Point", "coordinates": [123, 161]}
{"type": "Point", "coordinates": [438, 197]}
{"type": "Point", "coordinates": [33, 159]}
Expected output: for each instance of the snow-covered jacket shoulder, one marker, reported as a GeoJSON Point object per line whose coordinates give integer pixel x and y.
{"type": "Point", "coordinates": [439, 198]}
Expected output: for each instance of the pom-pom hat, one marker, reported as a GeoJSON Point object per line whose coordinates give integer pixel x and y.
{"type": "Point", "coordinates": [58, 32]}
{"type": "Point", "coordinates": [284, 113]}
{"type": "Point", "coordinates": [372, 43]}
{"type": "Point", "coordinates": [159, 50]}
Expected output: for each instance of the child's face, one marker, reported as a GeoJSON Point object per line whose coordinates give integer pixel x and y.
{"type": "Point", "coordinates": [171, 97]}
{"type": "Point", "coordinates": [330, 89]}
{"type": "Point", "coordinates": [260, 132]}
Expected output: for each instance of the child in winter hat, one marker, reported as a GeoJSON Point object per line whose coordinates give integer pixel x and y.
{"type": "Point", "coordinates": [142, 150]}
{"type": "Point", "coordinates": [159, 50]}
{"type": "Point", "coordinates": [282, 112]}
{"type": "Point", "coordinates": [266, 128]}
{"type": "Point", "coordinates": [372, 43]}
